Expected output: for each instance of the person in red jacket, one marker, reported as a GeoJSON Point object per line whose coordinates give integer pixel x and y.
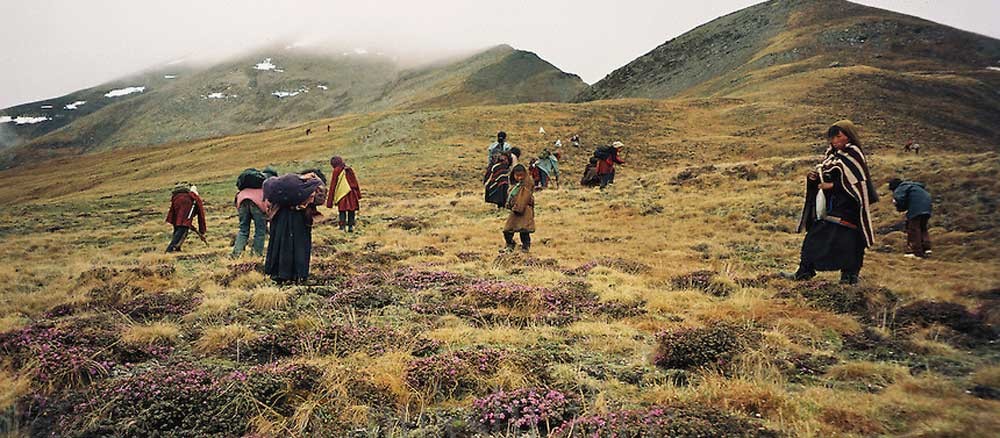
{"type": "Point", "coordinates": [185, 204]}
{"type": "Point", "coordinates": [606, 167]}
{"type": "Point", "coordinates": [345, 192]}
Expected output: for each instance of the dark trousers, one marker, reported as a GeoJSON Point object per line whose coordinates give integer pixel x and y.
{"type": "Point", "coordinates": [607, 178]}
{"type": "Point", "coordinates": [347, 218]}
{"type": "Point", "coordinates": [508, 236]}
{"type": "Point", "coordinates": [250, 212]}
{"type": "Point", "coordinates": [180, 233]}
{"type": "Point", "coordinates": [917, 238]}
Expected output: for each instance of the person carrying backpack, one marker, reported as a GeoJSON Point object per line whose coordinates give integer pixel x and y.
{"type": "Point", "coordinates": [185, 204]}
{"type": "Point", "coordinates": [251, 207]}
{"type": "Point", "coordinates": [293, 198]}
{"type": "Point", "coordinates": [607, 157]}
{"type": "Point", "coordinates": [548, 166]}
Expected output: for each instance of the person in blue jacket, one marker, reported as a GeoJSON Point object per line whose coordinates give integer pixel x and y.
{"type": "Point", "coordinates": [913, 198]}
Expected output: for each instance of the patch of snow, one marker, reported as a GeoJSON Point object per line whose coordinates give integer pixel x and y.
{"type": "Point", "coordinates": [322, 87]}
{"type": "Point", "coordinates": [279, 70]}
{"type": "Point", "coordinates": [993, 68]}
{"type": "Point", "coordinates": [23, 120]}
{"type": "Point", "coordinates": [177, 61]}
{"type": "Point", "coordinates": [46, 106]}
{"type": "Point", "coordinates": [360, 51]}
{"type": "Point", "coordinates": [265, 66]}
{"type": "Point", "coordinates": [283, 94]}
{"type": "Point", "coordinates": [216, 96]}
{"type": "Point", "coordinates": [169, 76]}
{"type": "Point", "coordinates": [75, 105]}
{"type": "Point", "coordinates": [124, 91]}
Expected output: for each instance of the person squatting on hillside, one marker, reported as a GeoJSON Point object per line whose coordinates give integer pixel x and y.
{"type": "Point", "coordinates": [185, 204]}
{"type": "Point", "coordinates": [521, 203]}
{"type": "Point", "coordinates": [836, 213]}
{"type": "Point", "coordinates": [345, 192]}
{"type": "Point", "coordinates": [293, 199]}
{"type": "Point", "coordinates": [607, 158]}
{"type": "Point", "coordinates": [590, 177]}
{"type": "Point", "coordinates": [913, 198]}
{"type": "Point", "coordinates": [548, 168]}
{"type": "Point", "coordinates": [251, 207]}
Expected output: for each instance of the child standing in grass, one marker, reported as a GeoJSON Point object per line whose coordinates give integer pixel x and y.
{"type": "Point", "coordinates": [521, 202]}
{"type": "Point", "coordinates": [345, 192]}
{"type": "Point", "coordinates": [185, 204]}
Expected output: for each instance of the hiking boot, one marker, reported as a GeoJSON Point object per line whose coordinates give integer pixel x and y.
{"type": "Point", "coordinates": [848, 278]}
{"type": "Point", "coordinates": [910, 255]}
{"type": "Point", "coordinates": [350, 228]}
{"type": "Point", "coordinates": [796, 276]}
{"type": "Point", "coordinates": [509, 248]}
{"type": "Point", "coordinates": [525, 249]}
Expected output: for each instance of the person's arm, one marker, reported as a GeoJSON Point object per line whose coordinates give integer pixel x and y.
{"type": "Point", "coordinates": [901, 198]}
{"type": "Point", "coordinates": [329, 195]}
{"type": "Point", "coordinates": [521, 200]}
{"type": "Point", "coordinates": [352, 179]}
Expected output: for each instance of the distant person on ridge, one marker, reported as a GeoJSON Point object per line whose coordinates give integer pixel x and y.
{"type": "Point", "coordinates": [575, 140]}
{"type": "Point", "coordinates": [521, 203]}
{"type": "Point", "coordinates": [293, 199]}
{"type": "Point", "coordinates": [185, 204]}
{"type": "Point", "coordinates": [345, 192]}
{"type": "Point", "coordinates": [607, 157]}
{"type": "Point", "coordinates": [251, 207]}
{"type": "Point", "coordinates": [836, 214]}
{"type": "Point", "coordinates": [498, 147]}
{"type": "Point", "coordinates": [913, 198]}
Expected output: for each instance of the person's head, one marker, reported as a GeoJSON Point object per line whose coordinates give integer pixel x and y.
{"type": "Point", "coordinates": [515, 152]}
{"type": "Point", "coordinates": [894, 183]}
{"type": "Point", "coordinates": [336, 162]}
{"type": "Point", "coordinates": [617, 145]}
{"type": "Point", "coordinates": [501, 137]}
{"type": "Point", "coordinates": [841, 134]}
{"type": "Point", "coordinates": [316, 172]}
{"type": "Point", "coordinates": [194, 189]}
{"type": "Point", "coordinates": [519, 173]}
{"type": "Point", "coordinates": [269, 172]}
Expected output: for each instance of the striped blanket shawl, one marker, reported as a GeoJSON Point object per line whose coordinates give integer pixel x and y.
{"type": "Point", "coordinates": [856, 180]}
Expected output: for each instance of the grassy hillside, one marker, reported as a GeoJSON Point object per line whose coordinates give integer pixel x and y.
{"type": "Point", "coordinates": [240, 95]}
{"type": "Point", "coordinates": [414, 325]}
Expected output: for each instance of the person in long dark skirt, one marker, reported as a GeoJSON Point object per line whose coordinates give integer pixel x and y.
{"type": "Point", "coordinates": [293, 198]}
{"type": "Point", "coordinates": [836, 214]}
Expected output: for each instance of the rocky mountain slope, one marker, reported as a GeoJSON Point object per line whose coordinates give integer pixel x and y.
{"type": "Point", "coordinates": [268, 89]}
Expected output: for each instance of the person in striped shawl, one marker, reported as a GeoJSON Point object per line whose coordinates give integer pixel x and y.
{"type": "Point", "coordinates": [836, 215]}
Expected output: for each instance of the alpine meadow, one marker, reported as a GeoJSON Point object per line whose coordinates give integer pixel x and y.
{"type": "Point", "coordinates": [659, 305]}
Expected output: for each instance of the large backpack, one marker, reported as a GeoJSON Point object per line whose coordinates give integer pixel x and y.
{"type": "Point", "coordinates": [250, 179]}
{"type": "Point", "coordinates": [604, 152]}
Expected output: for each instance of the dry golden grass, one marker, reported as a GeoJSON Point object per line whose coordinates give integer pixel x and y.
{"type": "Point", "coordinates": [145, 334]}
{"type": "Point", "coordinates": [218, 338]}
{"type": "Point", "coordinates": [268, 298]}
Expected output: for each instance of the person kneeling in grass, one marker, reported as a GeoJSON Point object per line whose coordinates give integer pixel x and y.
{"type": "Point", "coordinates": [521, 203]}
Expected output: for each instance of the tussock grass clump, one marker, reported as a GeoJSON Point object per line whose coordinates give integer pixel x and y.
{"type": "Point", "coordinates": [666, 421]}
{"type": "Point", "coordinates": [952, 315]}
{"type": "Point", "coordinates": [709, 282]}
{"type": "Point", "coordinates": [268, 298]}
{"type": "Point", "coordinates": [146, 334]}
{"type": "Point", "coordinates": [687, 348]}
{"type": "Point", "coordinates": [871, 303]}
{"type": "Point", "coordinates": [238, 269]}
{"type": "Point", "coordinates": [873, 375]}
{"type": "Point", "coordinates": [619, 264]}
{"type": "Point", "coordinates": [221, 338]}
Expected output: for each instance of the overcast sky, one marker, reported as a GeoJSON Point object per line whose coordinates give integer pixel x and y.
{"type": "Point", "coordinates": [52, 47]}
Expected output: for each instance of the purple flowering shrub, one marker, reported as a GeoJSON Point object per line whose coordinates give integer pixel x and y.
{"type": "Point", "coordinates": [337, 339]}
{"type": "Point", "coordinates": [704, 281]}
{"type": "Point", "coordinates": [687, 348]}
{"type": "Point", "coordinates": [455, 373]}
{"type": "Point", "coordinates": [68, 353]}
{"type": "Point", "coordinates": [499, 293]}
{"type": "Point", "coordinates": [662, 422]}
{"type": "Point", "coordinates": [524, 409]}
{"type": "Point", "coordinates": [416, 280]}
